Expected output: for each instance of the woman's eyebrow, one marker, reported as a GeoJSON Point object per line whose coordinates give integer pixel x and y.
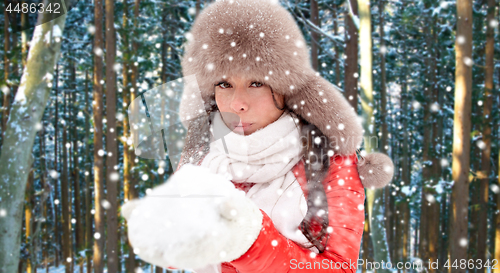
{"type": "Point", "coordinates": [231, 82]}
{"type": "Point", "coordinates": [221, 81]}
{"type": "Point", "coordinates": [252, 81]}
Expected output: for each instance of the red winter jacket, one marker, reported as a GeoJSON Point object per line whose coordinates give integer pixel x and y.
{"type": "Point", "coordinates": [346, 196]}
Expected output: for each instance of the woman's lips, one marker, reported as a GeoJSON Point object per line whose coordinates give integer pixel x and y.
{"type": "Point", "coordinates": [242, 125]}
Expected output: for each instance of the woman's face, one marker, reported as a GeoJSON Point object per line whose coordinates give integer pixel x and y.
{"type": "Point", "coordinates": [246, 105]}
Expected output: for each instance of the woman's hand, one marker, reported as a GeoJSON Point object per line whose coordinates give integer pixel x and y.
{"type": "Point", "coordinates": [195, 219]}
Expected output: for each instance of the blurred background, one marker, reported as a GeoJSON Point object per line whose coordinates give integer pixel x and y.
{"type": "Point", "coordinates": [422, 74]}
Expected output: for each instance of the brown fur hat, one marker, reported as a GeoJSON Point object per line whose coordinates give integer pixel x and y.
{"type": "Point", "coordinates": [260, 40]}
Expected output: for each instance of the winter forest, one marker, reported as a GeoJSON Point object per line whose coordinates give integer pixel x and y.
{"type": "Point", "coordinates": [424, 76]}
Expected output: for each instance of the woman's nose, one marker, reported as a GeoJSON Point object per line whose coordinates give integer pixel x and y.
{"type": "Point", "coordinates": [239, 102]}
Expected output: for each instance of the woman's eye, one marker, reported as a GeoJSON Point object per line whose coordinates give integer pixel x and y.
{"type": "Point", "coordinates": [224, 85]}
{"type": "Point", "coordinates": [258, 84]}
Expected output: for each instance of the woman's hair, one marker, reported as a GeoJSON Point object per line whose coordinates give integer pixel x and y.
{"type": "Point", "coordinates": [317, 162]}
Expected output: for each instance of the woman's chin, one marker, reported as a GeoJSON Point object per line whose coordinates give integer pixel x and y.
{"type": "Point", "coordinates": [238, 130]}
{"type": "Point", "coordinates": [247, 130]}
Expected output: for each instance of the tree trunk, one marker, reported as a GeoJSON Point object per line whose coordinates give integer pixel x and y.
{"type": "Point", "coordinates": [198, 8]}
{"type": "Point", "coordinates": [496, 220]}
{"type": "Point", "coordinates": [444, 226]}
{"type": "Point", "coordinates": [444, 211]}
{"type": "Point", "coordinates": [26, 112]}
{"type": "Point", "coordinates": [98, 142]}
{"type": "Point", "coordinates": [88, 172]}
{"type": "Point", "coordinates": [56, 169]}
{"type": "Point", "coordinates": [132, 194]}
{"type": "Point", "coordinates": [28, 218]}
{"type": "Point", "coordinates": [6, 64]}
{"type": "Point", "coordinates": [435, 207]}
{"type": "Point", "coordinates": [128, 154]}
{"type": "Point", "coordinates": [366, 244]}
{"type": "Point", "coordinates": [351, 63]}
{"type": "Point", "coordinates": [383, 116]}
{"type": "Point", "coordinates": [461, 133]}
{"type": "Point", "coordinates": [165, 48]}
{"type": "Point", "coordinates": [79, 230]}
{"type": "Point", "coordinates": [314, 35]}
{"type": "Point", "coordinates": [335, 16]}
{"type": "Point", "coordinates": [405, 227]}
{"type": "Point", "coordinates": [435, 174]}
{"type": "Point", "coordinates": [378, 235]}
{"type": "Point", "coordinates": [112, 176]}
{"type": "Point", "coordinates": [474, 186]}
{"type": "Point", "coordinates": [47, 189]}
{"type": "Point", "coordinates": [65, 202]}
{"type": "Point", "coordinates": [14, 74]}
{"type": "Point", "coordinates": [424, 214]}
{"type": "Point", "coordinates": [429, 216]}
{"type": "Point", "coordinates": [402, 208]}
{"type": "Point", "coordinates": [486, 153]}
{"type": "Point", "coordinates": [126, 101]}
{"type": "Point", "coordinates": [399, 247]}
{"type": "Point", "coordinates": [15, 47]}
{"type": "Point", "coordinates": [133, 80]}
{"type": "Point", "coordinates": [383, 91]}
{"type": "Point", "coordinates": [24, 37]}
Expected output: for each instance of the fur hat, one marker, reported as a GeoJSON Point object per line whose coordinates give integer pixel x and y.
{"type": "Point", "coordinates": [260, 40]}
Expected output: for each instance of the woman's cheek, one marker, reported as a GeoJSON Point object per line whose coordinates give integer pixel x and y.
{"type": "Point", "coordinates": [223, 102]}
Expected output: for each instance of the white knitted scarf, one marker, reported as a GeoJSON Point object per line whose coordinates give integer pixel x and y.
{"type": "Point", "coordinates": [265, 157]}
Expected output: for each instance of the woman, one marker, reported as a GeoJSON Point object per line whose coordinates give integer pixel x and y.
{"type": "Point", "coordinates": [287, 138]}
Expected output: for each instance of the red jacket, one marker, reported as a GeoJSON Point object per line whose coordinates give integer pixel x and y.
{"type": "Point", "coordinates": [346, 217]}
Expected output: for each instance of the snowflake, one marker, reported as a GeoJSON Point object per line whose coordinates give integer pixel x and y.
{"type": "Point", "coordinates": [91, 29]}
{"type": "Point", "coordinates": [105, 204]}
{"type": "Point", "coordinates": [114, 176]}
